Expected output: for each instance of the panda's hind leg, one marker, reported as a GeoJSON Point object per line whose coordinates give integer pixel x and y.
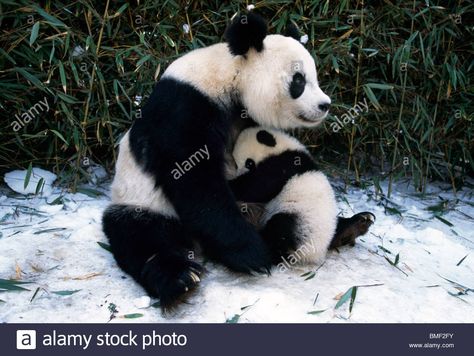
{"type": "Point", "coordinates": [348, 229]}
{"type": "Point", "coordinates": [280, 235]}
{"type": "Point", "coordinates": [154, 250]}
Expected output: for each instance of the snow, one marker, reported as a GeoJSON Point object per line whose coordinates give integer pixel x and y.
{"type": "Point", "coordinates": [16, 181]}
{"type": "Point", "coordinates": [142, 302]}
{"type": "Point", "coordinates": [304, 39]}
{"type": "Point", "coordinates": [55, 247]}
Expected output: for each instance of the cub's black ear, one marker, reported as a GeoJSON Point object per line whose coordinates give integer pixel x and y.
{"type": "Point", "coordinates": [292, 31]}
{"type": "Point", "coordinates": [266, 138]}
{"type": "Point", "coordinates": [245, 32]}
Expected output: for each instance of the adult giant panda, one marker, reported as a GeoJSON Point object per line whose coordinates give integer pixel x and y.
{"type": "Point", "coordinates": [170, 187]}
{"type": "Point", "coordinates": [299, 220]}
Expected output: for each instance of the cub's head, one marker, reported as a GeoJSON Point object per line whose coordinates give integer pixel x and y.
{"type": "Point", "coordinates": [256, 144]}
{"type": "Point", "coordinates": [278, 82]}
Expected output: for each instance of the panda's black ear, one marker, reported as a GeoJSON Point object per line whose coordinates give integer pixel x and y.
{"type": "Point", "coordinates": [246, 31]}
{"type": "Point", "coordinates": [292, 31]}
{"type": "Point", "coordinates": [266, 138]}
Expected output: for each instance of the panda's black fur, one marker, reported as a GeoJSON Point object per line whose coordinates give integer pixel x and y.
{"type": "Point", "coordinates": [263, 184]}
{"type": "Point", "coordinates": [153, 249]}
{"type": "Point", "coordinates": [242, 38]}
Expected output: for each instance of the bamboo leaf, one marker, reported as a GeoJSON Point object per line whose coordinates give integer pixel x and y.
{"type": "Point", "coordinates": [316, 312]}
{"type": "Point", "coordinates": [373, 99]}
{"type": "Point", "coordinates": [234, 319]}
{"type": "Point", "coordinates": [380, 86]}
{"type": "Point", "coordinates": [120, 10]}
{"type": "Point", "coordinates": [58, 134]}
{"type": "Point", "coordinates": [93, 193]}
{"type": "Point", "coordinates": [49, 18]}
{"type": "Point", "coordinates": [397, 259]}
{"type": "Point", "coordinates": [28, 176]}
{"type": "Point", "coordinates": [462, 260]}
{"type": "Point", "coordinates": [132, 316]}
{"type": "Point", "coordinates": [104, 246]}
{"type": "Point", "coordinates": [64, 293]}
{"type": "Point", "coordinates": [353, 296]}
{"type": "Point", "coordinates": [54, 229]}
{"type": "Point", "coordinates": [34, 294]}
{"type": "Point", "coordinates": [34, 32]}
{"type": "Point", "coordinates": [31, 78]}
{"type": "Point", "coordinates": [39, 186]}
{"type": "Point", "coordinates": [444, 221]}
{"type": "Point", "coordinates": [11, 285]}
{"type": "Point", "coordinates": [62, 74]}
{"type": "Point", "coordinates": [345, 297]}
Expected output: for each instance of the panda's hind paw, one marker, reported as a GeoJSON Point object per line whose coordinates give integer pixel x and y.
{"type": "Point", "coordinates": [349, 229]}
{"type": "Point", "coordinates": [364, 220]}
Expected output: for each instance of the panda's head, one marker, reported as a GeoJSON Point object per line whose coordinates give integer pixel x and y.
{"type": "Point", "coordinates": [256, 144]}
{"type": "Point", "coordinates": [277, 83]}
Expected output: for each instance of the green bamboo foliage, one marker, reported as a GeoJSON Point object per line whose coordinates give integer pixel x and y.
{"type": "Point", "coordinates": [94, 62]}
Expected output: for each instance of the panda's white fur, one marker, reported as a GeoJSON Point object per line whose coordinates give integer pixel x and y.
{"type": "Point", "coordinates": [261, 79]}
{"type": "Point", "coordinates": [309, 195]}
{"type": "Point", "coordinates": [133, 186]}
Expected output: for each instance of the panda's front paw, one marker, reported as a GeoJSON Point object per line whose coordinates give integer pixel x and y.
{"type": "Point", "coordinates": [170, 281]}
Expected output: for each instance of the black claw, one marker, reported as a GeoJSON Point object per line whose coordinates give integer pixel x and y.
{"type": "Point", "coordinates": [171, 282]}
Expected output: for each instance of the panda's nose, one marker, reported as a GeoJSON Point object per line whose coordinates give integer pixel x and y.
{"type": "Point", "coordinates": [324, 106]}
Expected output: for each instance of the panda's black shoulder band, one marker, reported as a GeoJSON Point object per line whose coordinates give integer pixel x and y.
{"type": "Point", "coordinates": [246, 31]}
{"type": "Point", "coordinates": [266, 138]}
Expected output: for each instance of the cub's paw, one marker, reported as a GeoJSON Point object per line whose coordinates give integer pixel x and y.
{"type": "Point", "coordinates": [170, 281]}
{"type": "Point", "coordinates": [348, 229]}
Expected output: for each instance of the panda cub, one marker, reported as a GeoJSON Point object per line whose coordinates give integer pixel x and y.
{"type": "Point", "coordinates": [300, 215]}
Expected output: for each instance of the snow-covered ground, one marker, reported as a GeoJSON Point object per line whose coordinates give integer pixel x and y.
{"type": "Point", "coordinates": [52, 242]}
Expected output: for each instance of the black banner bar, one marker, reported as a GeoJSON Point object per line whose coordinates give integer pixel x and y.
{"type": "Point", "coordinates": [237, 339]}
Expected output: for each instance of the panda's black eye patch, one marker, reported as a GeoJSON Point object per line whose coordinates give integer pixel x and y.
{"type": "Point", "coordinates": [250, 164]}
{"type": "Point", "coordinates": [297, 85]}
{"type": "Point", "coordinates": [266, 138]}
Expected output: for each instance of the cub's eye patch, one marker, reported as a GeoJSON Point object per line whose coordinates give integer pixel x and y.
{"type": "Point", "coordinates": [250, 164]}
{"type": "Point", "coordinates": [297, 85]}
{"type": "Point", "coordinates": [266, 138]}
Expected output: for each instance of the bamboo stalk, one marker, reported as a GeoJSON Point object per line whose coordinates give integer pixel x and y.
{"type": "Point", "coordinates": [400, 113]}
{"type": "Point", "coordinates": [356, 98]}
